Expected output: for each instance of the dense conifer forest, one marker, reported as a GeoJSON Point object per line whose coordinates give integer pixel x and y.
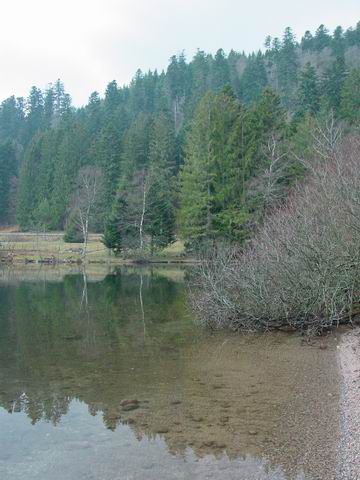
{"type": "Point", "coordinates": [202, 150]}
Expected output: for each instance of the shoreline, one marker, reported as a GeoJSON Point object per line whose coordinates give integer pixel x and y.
{"type": "Point", "coordinates": [113, 263]}
{"type": "Point", "coordinates": [24, 248]}
{"type": "Point", "coordinates": [349, 364]}
{"type": "Point", "coordinates": [344, 420]}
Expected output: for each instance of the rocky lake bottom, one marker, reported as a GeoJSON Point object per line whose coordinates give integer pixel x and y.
{"type": "Point", "coordinates": [106, 376]}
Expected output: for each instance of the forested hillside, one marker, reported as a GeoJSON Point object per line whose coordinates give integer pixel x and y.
{"type": "Point", "coordinates": [202, 150]}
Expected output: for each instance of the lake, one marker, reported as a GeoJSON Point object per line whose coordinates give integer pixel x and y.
{"type": "Point", "coordinates": [105, 375]}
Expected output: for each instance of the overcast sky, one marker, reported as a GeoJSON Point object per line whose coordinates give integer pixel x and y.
{"type": "Point", "coordinates": [88, 43]}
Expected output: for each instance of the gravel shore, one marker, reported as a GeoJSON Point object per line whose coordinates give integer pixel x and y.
{"type": "Point", "coordinates": [349, 358]}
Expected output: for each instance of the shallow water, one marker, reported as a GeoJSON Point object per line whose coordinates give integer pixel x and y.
{"type": "Point", "coordinates": [211, 406]}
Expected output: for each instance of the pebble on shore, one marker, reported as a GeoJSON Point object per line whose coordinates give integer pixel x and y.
{"type": "Point", "coordinates": [349, 358]}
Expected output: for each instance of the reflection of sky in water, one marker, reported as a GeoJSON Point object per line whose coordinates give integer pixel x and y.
{"type": "Point", "coordinates": [212, 405]}
{"type": "Point", "coordinates": [80, 447]}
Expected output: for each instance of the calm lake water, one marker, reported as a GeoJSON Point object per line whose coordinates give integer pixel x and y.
{"type": "Point", "coordinates": [73, 347]}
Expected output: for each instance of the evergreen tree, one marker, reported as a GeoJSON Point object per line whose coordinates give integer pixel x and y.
{"type": "Point", "coordinates": [308, 94]}
{"type": "Point", "coordinates": [196, 175]}
{"type": "Point", "coordinates": [332, 84]}
{"type": "Point", "coordinates": [12, 119]}
{"type": "Point", "coordinates": [133, 183]}
{"type": "Point", "coordinates": [160, 217]}
{"type": "Point", "coordinates": [267, 43]}
{"type": "Point", "coordinates": [307, 42]}
{"type": "Point", "coordinates": [112, 237]}
{"type": "Point", "coordinates": [141, 134]}
{"type": "Point", "coordinates": [322, 38]}
{"type": "Point", "coordinates": [73, 233]}
{"type": "Point", "coordinates": [35, 112]}
{"type": "Point", "coordinates": [112, 99]}
{"type": "Point", "coordinates": [177, 80]}
{"type": "Point", "coordinates": [49, 106]}
{"type": "Point", "coordinates": [27, 203]}
{"type": "Point", "coordinates": [276, 47]}
{"type": "Point", "coordinates": [254, 78]}
{"type": "Point", "coordinates": [269, 113]}
{"type": "Point", "coordinates": [108, 150]}
{"type": "Point", "coordinates": [338, 42]}
{"type": "Point", "coordinates": [37, 181]}
{"type": "Point", "coordinates": [233, 60]}
{"type": "Point", "coordinates": [200, 75]}
{"type": "Point", "coordinates": [287, 67]}
{"type": "Point", "coordinates": [220, 71]}
{"type": "Point", "coordinates": [60, 101]}
{"type": "Point", "coordinates": [43, 215]}
{"type": "Point", "coordinates": [350, 98]}
{"type": "Point", "coordinates": [94, 114]}
{"type": "Point", "coordinates": [137, 100]}
{"type": "Point", "coordinates": [136, 145]}
{"type": "Point", "coordinates": [71, 156]}
{"type": "Point", "coordinates": [210, 199]}
{"type": "Point", "coordinates": [7, 171]}
{"type": "Point", "coordinates": [352, 36]}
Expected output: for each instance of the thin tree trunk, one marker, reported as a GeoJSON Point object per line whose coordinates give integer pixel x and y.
{"type": "Point", "coordinates": [84, 227]}
{"type": "Point", "coordinates": [84, 298]}
{"type": "Point", "coordinates": [141, 229]}
{"type": "Point", "coordinates": [142, 304]}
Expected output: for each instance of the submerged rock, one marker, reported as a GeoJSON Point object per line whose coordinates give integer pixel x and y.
{"type": "Point", "coordinates": [126, 402]}
{"type": "Point", "coordinates": [130, 406]}
{"type": "Point", "coordinates": [217, 387]}
{"type": "Point", "coordinates": [209, 443]}
{"type": "Point", "coordinates": [73, 337]}
{"type": "Point", "coordinates": [197, 419]}
{"type": "Point", "coordinates": [162, 430]}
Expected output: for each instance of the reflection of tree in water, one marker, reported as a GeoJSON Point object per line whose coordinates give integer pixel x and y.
{"type": "Point", "coordinates": [50, 409]}
{"type": "Point", "coordinates": [57, 337]}
{"type": "Point", "coordinates": [188, 394]}
{"type": "Point", "coordinates": [142, 303]}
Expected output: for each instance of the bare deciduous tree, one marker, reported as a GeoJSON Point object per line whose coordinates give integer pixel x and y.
{"type": "Point", "coordinates": [277, 163]}
{"type": "Point", "coordinates": [303, 267]}
{"type": "Point", "coordinates": [143, 211]}
{"type": "Point", "coordinates": [86, 199]}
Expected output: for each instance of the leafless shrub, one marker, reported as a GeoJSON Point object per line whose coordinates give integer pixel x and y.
{"type": "Point", "coordinates": [303, 267]}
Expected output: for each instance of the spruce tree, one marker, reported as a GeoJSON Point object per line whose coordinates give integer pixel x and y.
{"type": "Point", "coordinates": [35, 112]}
{"type": "Point", "coordinates": [133, 183]}
{"type": "Point", "coordinates": [338, 42]}
{"type": "Point", "coordinates": [112, 236]}
{"type": "Point", "coordinates": [211, 176]}
{"type": "Point", "coordinates": [350, 98]}
{"type": "Point", "coordinates": [196, 175]}
{"type": "Point", "coordinates": [220, 71]}
{"type": "Point", "coordinates": [332, 84]}
{"type": "Point", "coordinates": [287, 68]}
{"type": "Point", "coordinates": [199, 70]}
{"type": "Point", "coordinates": [7, 171]}
{"type": "Point", "coordinates": [107, 151]}
{"type": "Point", "coordinates": [308, 94]}
{"type": "Point", "coordinates": [254, 78]}
{"type": "Point", "coordinates": [160, 216]}
{"type": "Point", "coordinates": [322, 38]}
{"type": "Point", "coordinates": [12, 120]}
{"type": "Point", "coordinates": [307, 41]}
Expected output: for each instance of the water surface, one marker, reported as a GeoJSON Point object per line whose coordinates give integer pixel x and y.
{"type": "Point", "coordinates": [73, 347]}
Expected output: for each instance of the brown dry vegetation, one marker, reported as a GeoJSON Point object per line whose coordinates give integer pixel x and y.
{"type": "Point", "coordinates": [27, 247]}
{"type": "Point", "coordinates": [303, 267]}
